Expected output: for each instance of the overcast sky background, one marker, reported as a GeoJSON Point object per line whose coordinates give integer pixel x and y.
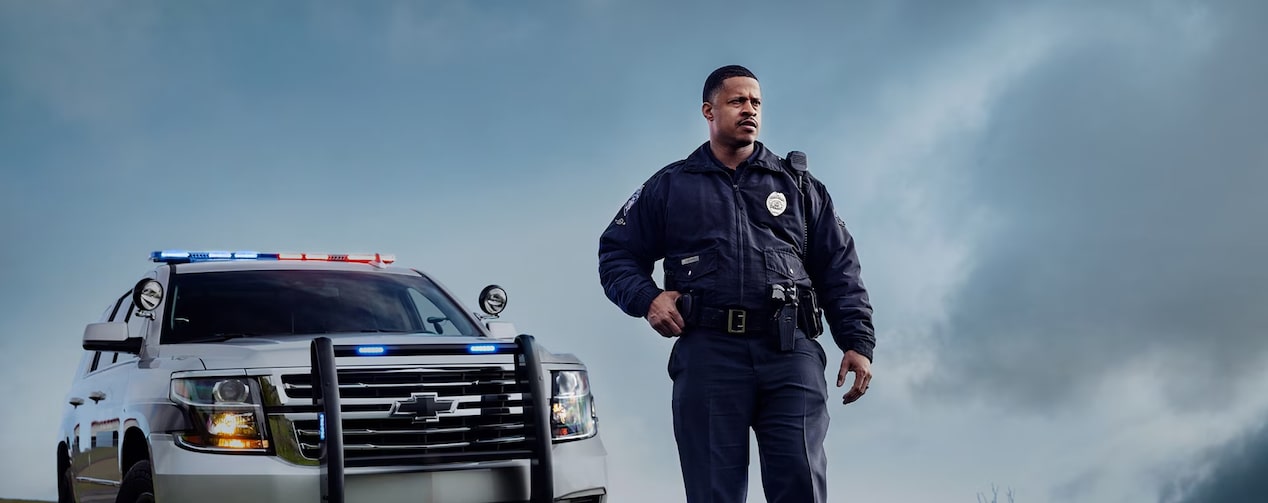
{"type": "Point", "coordinates": [1058, 205]}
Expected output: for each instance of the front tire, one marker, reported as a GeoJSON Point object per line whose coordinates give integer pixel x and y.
{"type": "Point", "coordinates": [65, 478]}
{"type": "Point", "coordinates": [138, 485]}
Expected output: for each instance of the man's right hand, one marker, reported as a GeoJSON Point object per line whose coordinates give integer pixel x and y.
{"type": "Point", "coordinates": [663, 314]}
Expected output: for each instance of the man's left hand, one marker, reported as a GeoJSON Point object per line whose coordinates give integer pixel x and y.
{"type": "Point", "coordinates": [862, 368]}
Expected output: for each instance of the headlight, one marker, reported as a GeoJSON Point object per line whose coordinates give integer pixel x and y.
{"type": "Point", "coordinates": [572, 413]}
{"type": "Point", "coordinates": [225, 413]}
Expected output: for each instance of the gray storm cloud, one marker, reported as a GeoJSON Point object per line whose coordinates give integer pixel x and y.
{"type": "Point", "coordinates": [1235, 474]}
{"type": "Point", "coordinates": [1124, 174]}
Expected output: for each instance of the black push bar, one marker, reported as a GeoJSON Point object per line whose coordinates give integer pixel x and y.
{"type": "Point", "coordinates": [533, 386]}
{"type": "Point", "coordinates": [528, 371]}
{"type": "Point", "coordinates": [326, 398]}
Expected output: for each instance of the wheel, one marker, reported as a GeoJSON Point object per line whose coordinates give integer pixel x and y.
{"type": "Point", "coordinates": [65, 478]}
{"type": "Point", "coordinates": [138, 485]}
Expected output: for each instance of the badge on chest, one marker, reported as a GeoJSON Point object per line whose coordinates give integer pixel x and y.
{"type": "Point", "coordinates": [776, 203]}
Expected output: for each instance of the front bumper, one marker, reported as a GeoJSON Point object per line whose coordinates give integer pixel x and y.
{"type": "Point", "coordinates": [184, 476]}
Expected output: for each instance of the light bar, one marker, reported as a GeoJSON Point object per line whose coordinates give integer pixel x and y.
{"type": "Point", "coordinates": [364, 258]}
{"type": "Point", "coordinates": [482, 348]}
{"type": "Point", "coordinates": [182, 257]}
{"type": "Point", "coordinates": [165, 256]}
{"type": "Point", "coordinates": [371, 350]}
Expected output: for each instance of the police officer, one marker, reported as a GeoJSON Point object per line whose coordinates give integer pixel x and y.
{"type": "Point", "coordinates": [748, 240]}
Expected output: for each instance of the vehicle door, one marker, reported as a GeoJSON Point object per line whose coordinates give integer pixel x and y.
{"type": "Point", "coordinates": [107, 385]}
{"type": "Point", "coordinates": [82, 415]}
{"type": "Point", "coordinates": [113, 377]}
{"type": "Point", "coordinates": [84, 399]}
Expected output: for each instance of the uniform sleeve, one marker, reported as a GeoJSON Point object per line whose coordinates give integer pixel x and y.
{"type": "Point", "coordinates": [632, 243]}
{"type": "Point", "coordinates": [835, 272]}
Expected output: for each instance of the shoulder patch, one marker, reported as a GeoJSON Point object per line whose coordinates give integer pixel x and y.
{"type": "Point", "coordinates": [633, 198]}
{"type": "Point", "coordinates": [625, 211]}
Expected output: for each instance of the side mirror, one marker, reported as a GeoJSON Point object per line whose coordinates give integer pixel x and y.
{"type": "Point", "coordinates": [502, 329]}
{"type": "Point", "coordinates": [492, 300]}
{"type": "Point", "coordinates": [110, 336]}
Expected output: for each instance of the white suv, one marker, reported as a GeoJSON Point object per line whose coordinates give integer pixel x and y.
{"type": "Point", "coordinates": [264, 377]}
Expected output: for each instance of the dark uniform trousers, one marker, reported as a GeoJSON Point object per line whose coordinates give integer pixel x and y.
{"type": "Point", "coordinates": [725, 384]}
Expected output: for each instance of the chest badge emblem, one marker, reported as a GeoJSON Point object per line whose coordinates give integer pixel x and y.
{"type": "Point", "coordinates": [776, 203]}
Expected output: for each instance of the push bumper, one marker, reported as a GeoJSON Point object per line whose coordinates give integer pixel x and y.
{"type": "Point", "coordinates": [185, 476]}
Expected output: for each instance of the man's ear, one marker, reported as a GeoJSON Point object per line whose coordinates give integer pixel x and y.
{"type": "Point", "coordinates": [707, 111]}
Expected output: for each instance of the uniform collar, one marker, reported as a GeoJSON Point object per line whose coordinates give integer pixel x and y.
{"type": "Point", "coordinates": [702, 160]}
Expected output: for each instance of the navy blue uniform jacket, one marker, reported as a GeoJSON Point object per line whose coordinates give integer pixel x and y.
{"type": "Point", "coordinates": [726, 237]}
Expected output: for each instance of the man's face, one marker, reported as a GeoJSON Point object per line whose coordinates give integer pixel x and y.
{"type": "Point", "coordinates": [734, 114]}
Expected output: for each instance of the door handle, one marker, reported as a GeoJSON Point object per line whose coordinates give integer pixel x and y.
{"type": "Point", "coordinates": [76, 401]}
{"type": "Point", "coordinates": [97, 396]}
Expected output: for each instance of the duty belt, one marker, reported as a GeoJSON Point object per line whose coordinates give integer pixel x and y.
{"type": "Point", "coordinates": [735, 321]}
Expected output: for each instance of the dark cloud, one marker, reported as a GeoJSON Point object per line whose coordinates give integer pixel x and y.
{"type": "Point", "coordinates": [1127, 173]}
{"type": "Point", "coordinates": [1236, 473]}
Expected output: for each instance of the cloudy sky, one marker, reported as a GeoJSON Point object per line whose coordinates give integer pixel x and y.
{"type": "Point", "coordinates": [1058, 205]}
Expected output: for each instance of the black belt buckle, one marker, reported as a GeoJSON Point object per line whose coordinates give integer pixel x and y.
{"type": "Point", "coordinates": [735, 321]}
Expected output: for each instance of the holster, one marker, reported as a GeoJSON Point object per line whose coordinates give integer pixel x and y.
{"type": "Point", "coordinates": [686, 306]}
{"type": "Point", "coordinates": [810, 316]}
{"type": "Point", "coordinates": [786, 324]}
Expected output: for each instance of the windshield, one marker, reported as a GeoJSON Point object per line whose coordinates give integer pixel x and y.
{"type": "Point", "coordinates": [216, 306]}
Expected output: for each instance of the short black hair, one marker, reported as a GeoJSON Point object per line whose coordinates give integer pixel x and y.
{"type": "Point", "coordinates": [713, 84]}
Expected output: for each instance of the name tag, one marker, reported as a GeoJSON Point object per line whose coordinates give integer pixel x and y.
{"type": "Point", "coordinates": [691, 260]}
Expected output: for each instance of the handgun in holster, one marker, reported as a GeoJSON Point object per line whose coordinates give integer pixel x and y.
{"type": "Point", "coordinates": [686, 308]}
{"type": "Point", "coordinates": [810, 314]}
{"type": "Point", "coordinates": [786, 300]}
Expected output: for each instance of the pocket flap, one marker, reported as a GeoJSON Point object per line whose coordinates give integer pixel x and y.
{"type": "Point", "coordinates": [785, 264]}
{"type": "Point", "coordinates": [691, 266]}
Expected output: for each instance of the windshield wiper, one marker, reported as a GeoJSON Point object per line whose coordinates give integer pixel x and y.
{"type": "Point", "coordinates": [220, 337]}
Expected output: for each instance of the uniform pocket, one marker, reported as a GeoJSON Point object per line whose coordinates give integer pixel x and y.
{"type": "Point", "coordinates": [693, 271]}
{"type": "Point", "coordinates": [783, 266]}
{"type": "Point", "coordinates": [676, 360]}
{"type": "Point", "coordinates": [813, 351]}
{"type": "Point", "coordinates": [823, 356]}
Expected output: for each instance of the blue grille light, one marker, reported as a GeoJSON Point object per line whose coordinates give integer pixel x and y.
{"type": "Point", "coordinates": [321, 418]}
{"type": "Point", "coordinates": [371, 350]}
{"type": "Point", "coordinates": [482, 348]}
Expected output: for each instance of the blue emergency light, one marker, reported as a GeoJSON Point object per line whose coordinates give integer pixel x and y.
{"type": "Point", "coordinates": [482, 348]}
{"type": "Point", "coordinates": [371, 350]}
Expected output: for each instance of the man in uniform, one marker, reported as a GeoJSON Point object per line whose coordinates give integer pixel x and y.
{"type": "Point", "coordinates": [748, 240]}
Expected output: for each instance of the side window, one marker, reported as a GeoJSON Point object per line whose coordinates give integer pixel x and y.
{"type": "Point", "coordinates": [108, 312]}
{"type": "Point", "coordinates": [96, 362]}
{"type": "Point", "coordinates": [138, 326]}
{"type": "Point", "coordinates": [114, 315]}
{"type": "Point", "coordinates": [433, 319]}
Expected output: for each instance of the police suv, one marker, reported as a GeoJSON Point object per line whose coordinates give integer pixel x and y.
{"type": "Point", "coordinates": [267, 377]}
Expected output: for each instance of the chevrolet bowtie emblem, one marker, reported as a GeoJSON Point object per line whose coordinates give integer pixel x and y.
{"type": "Point", "coordinates": [423, 407]}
